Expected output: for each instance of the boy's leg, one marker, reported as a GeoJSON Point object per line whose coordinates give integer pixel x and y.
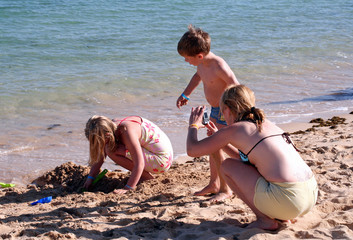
{"type": "Point", "coordinates": [214, 184]}
{"type": "Point", "coordinates": [242, 179]}
{"type": "Point", "coordinates": [217, 184]}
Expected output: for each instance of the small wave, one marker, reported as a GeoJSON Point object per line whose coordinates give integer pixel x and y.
{"type": "Point", "coordinates": [18, 149]}
{"type": "Point", "coordinates": [340, 109]}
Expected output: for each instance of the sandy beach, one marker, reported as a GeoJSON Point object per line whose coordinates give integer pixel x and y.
{"type": "Point", "coordinates": [165, 208]}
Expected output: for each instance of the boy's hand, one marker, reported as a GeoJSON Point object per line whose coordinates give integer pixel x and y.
{"type": "Point", "coordinates": [181, 101]}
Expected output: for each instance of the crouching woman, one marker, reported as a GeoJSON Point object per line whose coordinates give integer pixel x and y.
{"type": "Point", "coordinates": [264, 169]}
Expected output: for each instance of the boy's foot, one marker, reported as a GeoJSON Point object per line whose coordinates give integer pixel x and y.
{"type": "Point", "coordinates": [265, 224]}
{"type": "Point", "coordinates": [209, 189]}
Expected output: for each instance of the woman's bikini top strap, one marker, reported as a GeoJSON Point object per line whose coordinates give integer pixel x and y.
{"type": "Point", "coordinates": [286, 137]}
{"type": "Point", "coordinates": [283, 134]}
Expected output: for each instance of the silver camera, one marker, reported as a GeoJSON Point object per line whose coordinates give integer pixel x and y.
{"type": "Point", "coordinates": [205, 118]}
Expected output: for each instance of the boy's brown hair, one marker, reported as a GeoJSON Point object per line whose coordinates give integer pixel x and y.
{"type": "Point", "coordinates": [194, 41]}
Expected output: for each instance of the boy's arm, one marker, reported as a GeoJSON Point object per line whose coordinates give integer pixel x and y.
{"type": "Point", "coordinates": [194, 82]}
{"type": "Point", "coordinates": [225, 73]}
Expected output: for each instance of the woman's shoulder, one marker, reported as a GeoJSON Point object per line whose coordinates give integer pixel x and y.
{"type": "Point", "coordinates": [250, 129]}
{"type": "Point", "coordinates": [242, 125]}
{"type": "Point", "coordinates": [270, 126]}
{"type": "Point", "coordinates": [239, 128]}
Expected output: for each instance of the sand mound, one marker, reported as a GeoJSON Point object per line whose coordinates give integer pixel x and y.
{"type": "Point", "coordinates": [70, 178]}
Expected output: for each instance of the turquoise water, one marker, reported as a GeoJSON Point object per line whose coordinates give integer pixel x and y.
{"type": "Point", "coordinates": [63, 61]}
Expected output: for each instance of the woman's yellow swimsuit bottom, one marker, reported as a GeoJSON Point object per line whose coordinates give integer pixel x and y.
{"type": "Point", "coordinates": [286, 200]}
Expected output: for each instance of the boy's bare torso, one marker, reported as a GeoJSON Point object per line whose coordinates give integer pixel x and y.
{"type": "Point", "coordinates": [216, 76]}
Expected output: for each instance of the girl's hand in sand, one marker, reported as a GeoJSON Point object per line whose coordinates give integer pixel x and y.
{"type": "Point", "coordinates": [120, 191]}
{"type": "Point", "coordinates": [88, 183]}
{"type": "Point", "coordinates": [211, 128]}
{"type": "Point", "coordinates": [196, 116]}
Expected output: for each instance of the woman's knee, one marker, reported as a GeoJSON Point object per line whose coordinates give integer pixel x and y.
{"type": "Point", "coordinates": [227, 165]}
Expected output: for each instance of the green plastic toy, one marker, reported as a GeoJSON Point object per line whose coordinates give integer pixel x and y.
{"type": "Point", "coordinates": [99, 177]}
{"type": "Point", "coordinates": [6, 185]}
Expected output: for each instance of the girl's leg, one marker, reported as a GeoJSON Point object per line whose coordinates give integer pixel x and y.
{"type": "Point", "coordinates": [242, 179]}
{"type": "Point", "coordinates": [119, 158]}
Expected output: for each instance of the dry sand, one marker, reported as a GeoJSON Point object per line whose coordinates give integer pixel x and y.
{"type": "Point", "coordinates": [165, 208]}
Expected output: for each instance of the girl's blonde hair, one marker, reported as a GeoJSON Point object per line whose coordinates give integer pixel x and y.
{"type": "Point", "coordinates": [99, 132]}
{"type": "Point", "coordinates": [241, 101]}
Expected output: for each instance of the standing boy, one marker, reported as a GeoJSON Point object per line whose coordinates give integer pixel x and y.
{"type": "Point", "coordinates": [216, 76]}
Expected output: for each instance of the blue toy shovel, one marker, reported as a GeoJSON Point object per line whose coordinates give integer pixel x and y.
{"type": "Point", "coordinates": [43, 200]}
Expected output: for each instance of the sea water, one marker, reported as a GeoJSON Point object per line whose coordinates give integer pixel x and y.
{"type": "Point", "coordinates": [63, 61]}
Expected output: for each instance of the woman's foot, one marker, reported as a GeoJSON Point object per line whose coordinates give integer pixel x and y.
{"type": "Point", "coordinates": [291, 221]}
{"type": "Point", "coordinates": [264, 223]}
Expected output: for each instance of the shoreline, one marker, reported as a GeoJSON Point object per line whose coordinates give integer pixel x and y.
{"type": "Point", "coordinates": [22, 180]}
{"type": "Point", "coordinates": [302, 126]}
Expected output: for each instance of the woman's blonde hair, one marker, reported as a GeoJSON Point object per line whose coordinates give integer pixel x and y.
{"type": "Point", "coordinates": [99, 131]}
{"type": "Point", "coordinates": [241, 101]}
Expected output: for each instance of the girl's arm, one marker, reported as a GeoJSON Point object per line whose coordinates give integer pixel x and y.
{"type": "Point", "coordinates": [130, 136]}
{"type": "Point", "coordinates": [95, 169]}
